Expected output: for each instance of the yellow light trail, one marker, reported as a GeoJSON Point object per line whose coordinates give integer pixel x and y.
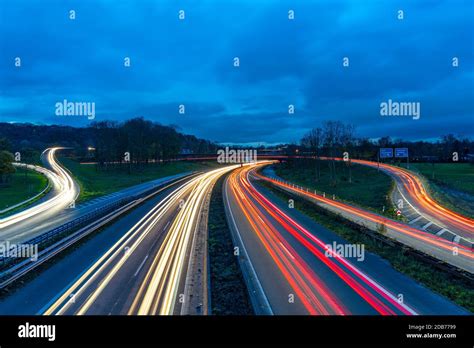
{"type": "Point", "coordinates": [61, 179]}
{"type": "Point", "coordinates": [158, 291]}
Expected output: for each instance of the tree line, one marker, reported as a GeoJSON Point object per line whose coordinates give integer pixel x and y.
{"type": "Point", "coordinates": [105, 142]}
{"type": "Point", "coordinates": [334, 138]}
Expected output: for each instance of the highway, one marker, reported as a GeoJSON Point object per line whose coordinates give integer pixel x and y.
{"type": "Point", "coordinates": [144, 272]}
{"type": "Point", "coordinates": [298, 275]}
{"type": "Point", "coordinates": [448, 251]}
{"type": "Point", "coordinates": [64, 191]}
{"type": "Point", "coordinates": [411, 189]}
{"type": "Point", "coordinates": [421, 209]}
{"type": "Point", "coordinates": [45, 286]}
{"type": "Point", "coordinates": [47, 220]}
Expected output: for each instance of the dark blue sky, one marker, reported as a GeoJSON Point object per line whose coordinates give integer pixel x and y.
{"type": "Point", "coordinates": [282, 62]}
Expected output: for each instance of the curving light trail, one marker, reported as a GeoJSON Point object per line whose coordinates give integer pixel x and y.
{"type": "Point", "coordinates": [404, 229]}
{"type": "Point", "coordinates": [312, 291]}
{"type": "Point", "coordinates": [414, 186]}
{"type": "Point", "coordinates": [61, 179]}
{"type": "Point", "coordinates": [158, 290]}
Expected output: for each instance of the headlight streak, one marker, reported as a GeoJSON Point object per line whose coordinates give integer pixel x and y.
{"type": "Point", "coordinates": [157, 293]}
{"type": "Point", "coordinates": [61, 179]}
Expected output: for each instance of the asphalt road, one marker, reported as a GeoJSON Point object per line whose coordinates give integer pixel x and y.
{"type": "Point", "coordinates": [41, 290]}
{"type": "Point", "coordinates": [64, 192]}
{"type": "Point", "coordinates": [59, 214]}
{"type": "Point", "coordinates": [426, 212]}
{"type": "Point", "coordinates": [440, 248]}
{"type": "Point", "coordinates": [144, 272]}
{"type": "Point", "coordinates": [288, 252]}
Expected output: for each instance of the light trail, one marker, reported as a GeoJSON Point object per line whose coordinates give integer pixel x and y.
{"type": "Point", "coordinates": [312, 291]}
{"type": "Point", "coordinates": [417, 192]}
{"type": "Point", "coordinates": [410, 181]}
{"type": "Point", "coordinates": [157, 292]}
{"type": "Point", "coordinates": [425, 237]}
{"type": "Point", "coordinates": [62, 180]}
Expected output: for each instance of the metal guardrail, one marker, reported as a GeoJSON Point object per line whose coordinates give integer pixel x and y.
{"type": "Point", "coordinates": [70, 226]}
{"type": "Point", "coordinates": [46, 239]}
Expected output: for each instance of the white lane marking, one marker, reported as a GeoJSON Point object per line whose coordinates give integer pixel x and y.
{"type": "Point", "coordinates": [268, 309]}
{"type": "Point", "coordinates": [457, 239]}
{"type": "Point", "coordinates": [141, 265]}
{"type": "Point", "coordinates": [440, 232]}
{"type": "Point", "coordinates": [406, 200]}
{"type": "Point", "coordinates": [166, 226]}
{"type": "Point", "coordinates": [415, 220]}
{"type": "Point", "coordinates": [427, 225]}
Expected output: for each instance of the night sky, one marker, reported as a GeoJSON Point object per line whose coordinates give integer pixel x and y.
{"type": "Point", "coordinates": [282, 62]}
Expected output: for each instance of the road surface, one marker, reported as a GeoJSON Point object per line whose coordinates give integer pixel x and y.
{"type": "Point", "coordinates": [422, 210]}
{"type": "Point", "coordinates": [297, 273]}
{"type": "Point", "coordinates": [450, 252]}
{"type": "Point", "coordinates": [64, 192]}
{"type": "Point", "coordinates": [45, 221]}
{"type": "Point", "coordinates": [144, 272]}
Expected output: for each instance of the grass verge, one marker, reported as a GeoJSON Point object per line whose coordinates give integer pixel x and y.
{"type": "Point", "coordinates": [368, 188]}
{"type": "Point", "coordinates": [229, 294]}
{"type": "Point", "coordinates": [23, 185]}
{"type": "Point", "coordinates": [95, 183]}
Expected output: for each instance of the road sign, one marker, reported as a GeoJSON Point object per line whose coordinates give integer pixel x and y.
{"type": "Point", "coordinates": [399, 213]}
{"type": "Point", "coordinates": [386, 152]}
{"type": "Point", "coordinates": [401, 152]}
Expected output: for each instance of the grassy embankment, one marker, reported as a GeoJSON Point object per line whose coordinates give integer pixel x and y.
{"type": "Point", "coordinates": [369, 188]}
{"type": "Point", "coordinates": [95, 183]}
{"type": "Point", "coordinates": [229, 294]}
{"type": "Point", "coordinates": [457, 289]}
{"type": "Point", "coordinates": [21, 187]}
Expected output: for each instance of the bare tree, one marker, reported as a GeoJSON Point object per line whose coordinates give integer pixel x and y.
{"type": "Point", "coordinates": [348, 140]}
{"type": "Point", "coordinates": [333, 131]}
{"type": "Point", "coordinates": [314, 140]}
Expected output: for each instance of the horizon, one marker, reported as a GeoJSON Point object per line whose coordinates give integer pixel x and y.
{"type": "Point", "coordinates": [257, 144]}
{"type": "Point", "coordinates": [181, 71]}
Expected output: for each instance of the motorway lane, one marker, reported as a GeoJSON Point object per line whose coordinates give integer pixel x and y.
{"type": "Point", "coordinates": [34, 226]}
{"type": "Point", "coordinates": [411, 188]}
{"type": "Point", "coordinates": [453, 253]}
{"type": "Point", "coordinates": [289, 258]}
{"type": "Point", "coordinates": [37, 294]}
{"type": "Point", "coordinates": [144, 272]}
{"type": "Point", "coordinates": [19, 226]}
{"type": "Point", "coordinates": [65, 192]}
{"type": "Point", "coordinates": [53, 188]}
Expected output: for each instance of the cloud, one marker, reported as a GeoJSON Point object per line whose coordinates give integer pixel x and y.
{"type": "Point", "coordinates": [282, 62]}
